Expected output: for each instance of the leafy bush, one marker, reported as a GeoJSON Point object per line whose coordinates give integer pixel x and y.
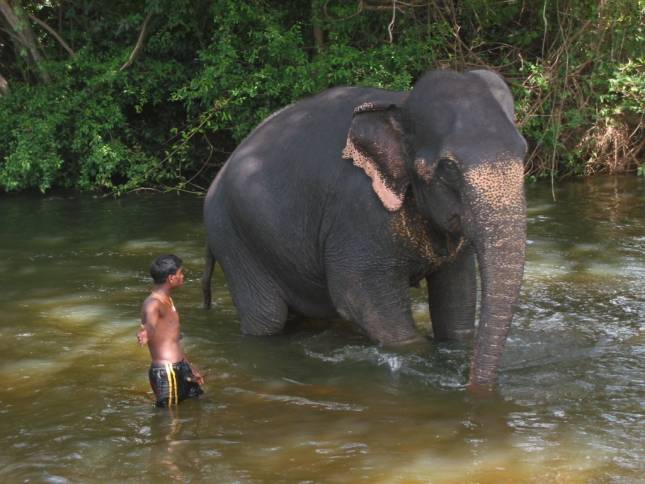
{"type": "Point", "coordinates": [210, 70]}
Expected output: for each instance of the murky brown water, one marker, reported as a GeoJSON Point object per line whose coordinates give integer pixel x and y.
{"type": "Point", "coordinates": [319, 404]}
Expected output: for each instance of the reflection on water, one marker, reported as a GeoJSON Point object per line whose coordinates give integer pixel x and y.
{"type": "Point", "coordinates": [318, 403]}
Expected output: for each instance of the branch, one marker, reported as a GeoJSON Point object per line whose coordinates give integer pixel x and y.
{"type": "Point", "coordinates": [459, 46]}
{"type": "Point", "coordinates": [391, 24]}
{"type": "Point", "coordinates": [54, 33]}
{"type": "Point", "coordinates": [359, 10]}
{"type": "Point", "coordinates": [139, 46]}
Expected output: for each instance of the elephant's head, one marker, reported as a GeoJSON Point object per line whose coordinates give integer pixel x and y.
{"type": "Point", "coordinates": [453, 140]}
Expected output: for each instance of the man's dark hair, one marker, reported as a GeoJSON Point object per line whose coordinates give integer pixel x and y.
{"type": "Point", "coordinates": [164, 266]}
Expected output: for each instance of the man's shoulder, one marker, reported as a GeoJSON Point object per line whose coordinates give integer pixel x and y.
{"type": "Point", "coordinates": [151, 303]}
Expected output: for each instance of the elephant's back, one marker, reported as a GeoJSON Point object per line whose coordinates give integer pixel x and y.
{"type": "Point", "coordinates": [294, 156]}
{"type": "Point", "coordinates": [302, 140]}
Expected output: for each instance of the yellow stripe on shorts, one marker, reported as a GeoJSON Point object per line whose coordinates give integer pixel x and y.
{"type": "Point", "coordinates": [172, 384]}
{"type": "Point", "coordinates": [174, 381]}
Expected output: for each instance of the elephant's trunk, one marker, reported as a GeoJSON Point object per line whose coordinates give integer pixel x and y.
{"type": "Point", "coordinates": [499, 237]}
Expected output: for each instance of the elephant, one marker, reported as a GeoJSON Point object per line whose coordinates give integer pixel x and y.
{"type": "Point", "coordinates": [337, 204]}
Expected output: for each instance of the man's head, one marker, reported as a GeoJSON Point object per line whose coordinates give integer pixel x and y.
{"type": "Point", "coordinates": [167, 268]}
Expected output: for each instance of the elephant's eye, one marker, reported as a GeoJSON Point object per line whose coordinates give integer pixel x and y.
{"type": "Point", "coordinates": [448, 173]}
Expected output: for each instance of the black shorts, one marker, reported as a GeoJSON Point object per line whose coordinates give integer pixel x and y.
{"type": "Point", "coordinates": [173, 383]}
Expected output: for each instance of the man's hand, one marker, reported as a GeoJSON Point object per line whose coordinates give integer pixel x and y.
{"type": "Point", "coordinates": [142, 336]}
{"type": "Point", "coordinates": [197, 376]}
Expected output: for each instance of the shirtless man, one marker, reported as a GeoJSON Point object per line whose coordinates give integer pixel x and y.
{"type": "Point", "coordinates": [172, 377]}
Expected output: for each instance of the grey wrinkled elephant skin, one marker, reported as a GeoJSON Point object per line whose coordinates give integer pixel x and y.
{"type": "Point", "coordinates": [338, 203]}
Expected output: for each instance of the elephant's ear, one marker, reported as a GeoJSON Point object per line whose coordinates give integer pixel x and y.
{"type": "Point", "coordinates": [375, 143]}
{"type": "Point", "coordinates": [499, 90]}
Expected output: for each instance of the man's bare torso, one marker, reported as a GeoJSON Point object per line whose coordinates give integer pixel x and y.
{"type": "Point", "coordinates": [161, 321]}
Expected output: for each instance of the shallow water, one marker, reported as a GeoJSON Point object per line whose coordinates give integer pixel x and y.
{"type": "Point", "coordinates": [319, 403]}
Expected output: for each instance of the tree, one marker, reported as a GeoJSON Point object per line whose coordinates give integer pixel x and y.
{"type": "Point", "coordinates": [23, 36]}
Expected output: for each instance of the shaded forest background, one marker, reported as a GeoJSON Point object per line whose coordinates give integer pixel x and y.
{"type": "Point", "coordinates": [129, 95]}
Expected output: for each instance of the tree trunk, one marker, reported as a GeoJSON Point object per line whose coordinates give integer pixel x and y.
{"type": "Point", "coordinates": [319, 35]}
{"type": "Point", "coordinates": [319, 38]}
{"type": "Point", "coordinates": [22, 35]}
{"type": "Point", "coordinates": [4, 86]}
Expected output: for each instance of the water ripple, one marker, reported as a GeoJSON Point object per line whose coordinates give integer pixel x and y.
{"type": "Point", "coordinates": [299, 401]}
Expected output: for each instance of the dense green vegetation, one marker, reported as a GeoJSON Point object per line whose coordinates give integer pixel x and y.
{"type": "Point", "coordinates": [123, 95]}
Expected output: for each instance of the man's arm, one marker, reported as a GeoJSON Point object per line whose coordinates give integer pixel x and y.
{"type": "Point", "coordinates": [149, 320]}
{"type": "Point", "coordinates": [142, 335]}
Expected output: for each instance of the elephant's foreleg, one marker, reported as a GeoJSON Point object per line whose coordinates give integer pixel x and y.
{"type": "Point", "coordinates": [452, 295]}
{"type": "Point", "coordinates": [381, 307]}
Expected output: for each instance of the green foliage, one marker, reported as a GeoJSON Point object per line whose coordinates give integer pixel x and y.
{"type": "Point", "coordinates": [71, 134]}
{"type": "Point", "coordinates": [95, 127]}
{"type": "Point", "coordinates": [626, 91]}
{"type": "Point", "coordinates": [211, 70]}
{"type": "Point", "coordinates": [261, 58]}
{"type": "Point", "coordinates": [248, 70]}
{"type": "Point", "coordinates": [580, 99]}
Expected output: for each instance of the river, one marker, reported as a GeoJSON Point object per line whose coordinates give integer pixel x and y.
{"type": "Point", "coordinates": [320, 403]}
